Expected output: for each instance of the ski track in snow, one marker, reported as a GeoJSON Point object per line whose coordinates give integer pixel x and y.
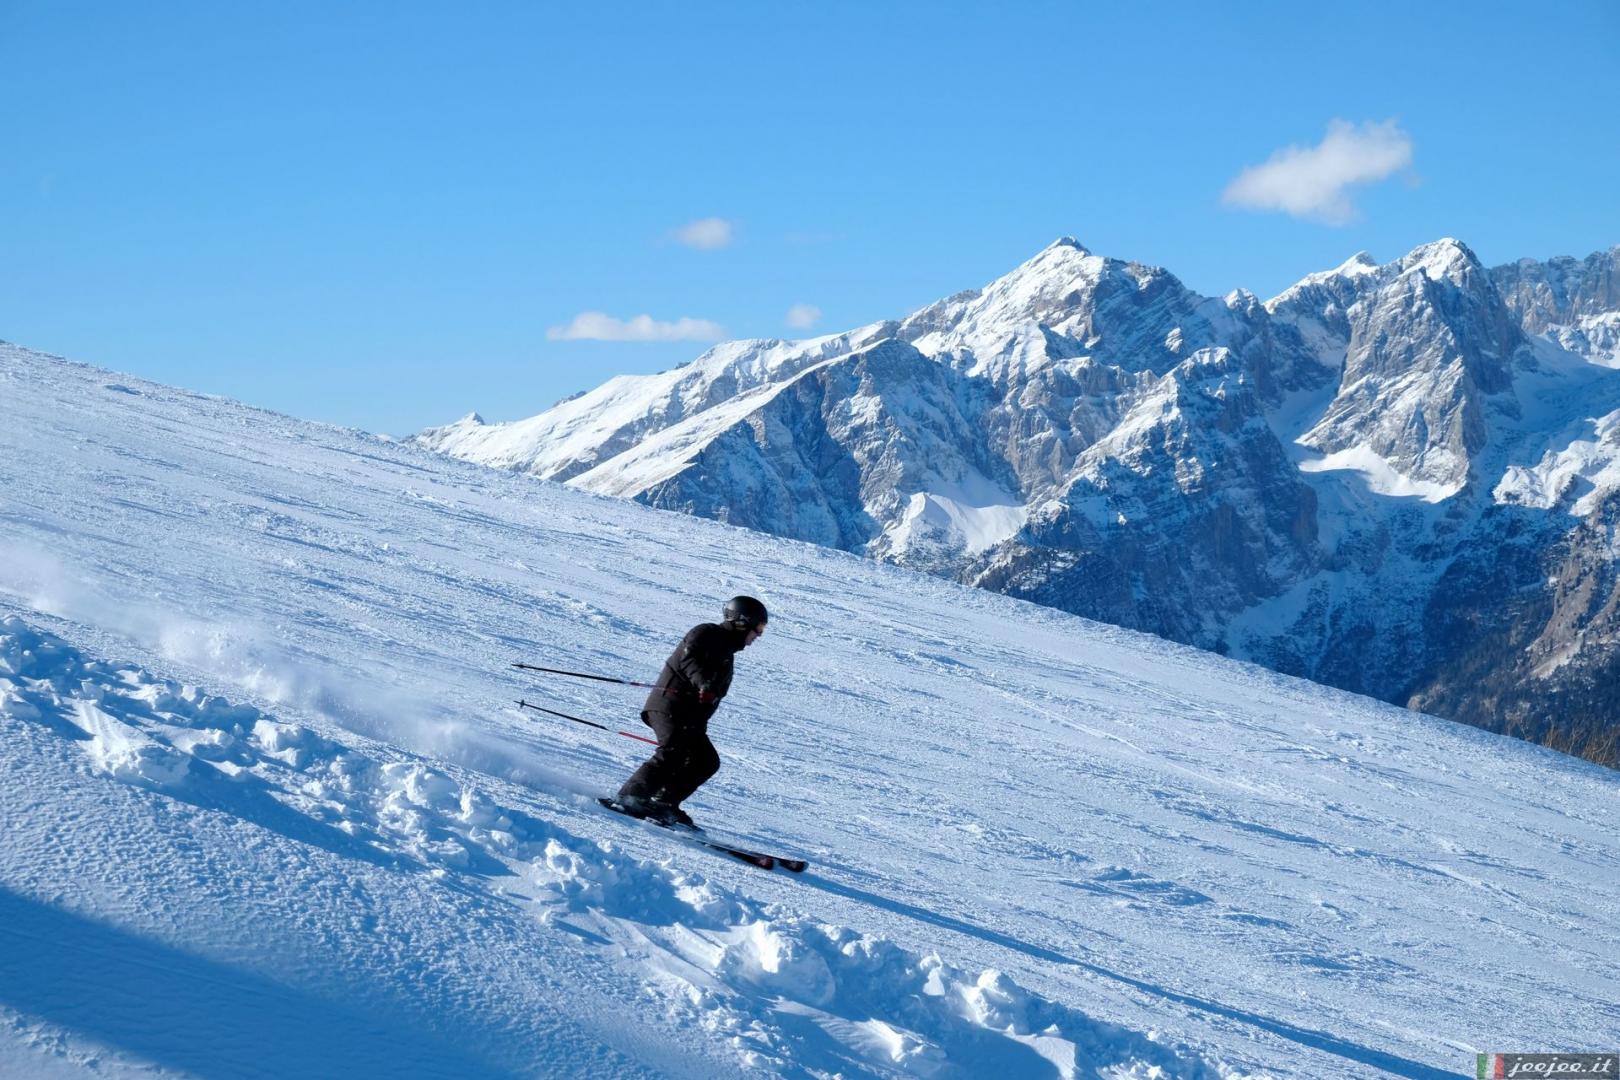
{"type": "Point", "coordinates": [269, 810]}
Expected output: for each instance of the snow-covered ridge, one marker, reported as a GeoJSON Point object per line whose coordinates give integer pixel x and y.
{"type": "Point", "coordinates": [590, 428]}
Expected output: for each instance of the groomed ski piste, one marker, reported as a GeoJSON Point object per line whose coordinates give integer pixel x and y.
{"type": "Point", "coordinates": [270, 809]}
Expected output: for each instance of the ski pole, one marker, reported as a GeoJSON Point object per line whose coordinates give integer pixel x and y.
{"type": "Point", "coordinates": [588, 723]}
{"type": "Point", "coordinates": [598, 678]}
{"type": "Point", "coordinates": [582, 675]}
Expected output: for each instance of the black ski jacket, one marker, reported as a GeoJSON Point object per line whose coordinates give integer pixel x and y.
{"type": "Point", "coordinates": [700, 665]}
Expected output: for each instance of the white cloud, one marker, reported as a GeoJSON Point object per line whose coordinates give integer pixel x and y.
{"type": "Point", "coordinates": [595, 326]}
{"type": "Point", "coordinates": [706, 234]}
{"type": "Point", "coordinates": [1311, 181]}
{"type": "Point", "coordinates": [803, 316]}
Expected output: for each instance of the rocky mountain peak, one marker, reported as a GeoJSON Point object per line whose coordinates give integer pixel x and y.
{"type": "Point", "coordinates": [1446, 259]}
{"type": "Point", "coordinates": [1062, 304]}
{"type": "Point", "coordinates": [1425, 341]}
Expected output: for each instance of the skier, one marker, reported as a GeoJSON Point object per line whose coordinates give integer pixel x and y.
{"type": "Point", "coordinates": [688, 691]}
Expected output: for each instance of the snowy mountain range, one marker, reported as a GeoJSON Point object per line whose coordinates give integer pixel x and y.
{"type": "Point", "coordinates": [1397, 479]}
{"type": "Point", "coordinates": [269, 809]}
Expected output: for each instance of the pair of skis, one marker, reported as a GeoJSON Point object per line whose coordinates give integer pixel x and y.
{"type": "Point", "coordinates": [691, 834]}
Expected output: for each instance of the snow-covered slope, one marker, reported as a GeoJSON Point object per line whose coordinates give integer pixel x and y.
{"type": "Point", "coordinates": [269, 809]}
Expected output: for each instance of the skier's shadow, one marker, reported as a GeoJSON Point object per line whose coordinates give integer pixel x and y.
{"type": "Point", "coordinates": [946, 922]}
{"type": "Point", "coordinates": [1318, 1040]}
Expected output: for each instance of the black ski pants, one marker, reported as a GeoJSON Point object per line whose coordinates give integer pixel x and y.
{"type": "Point", "coordinates": [683, 762]}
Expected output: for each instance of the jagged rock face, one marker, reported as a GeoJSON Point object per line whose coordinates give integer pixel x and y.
{"type": "Point", "coordinates": [1576, 304]}
{"type": "Point", "coordinates": [1560, 291]}
{"type": "Point", "coordinates": [1533, 611]}
{"type": "Point", "coordinates": [1385, 478]}
{"type": "Point", "coordinates": [1190, 496]}
{"type": "Point", "coordinates": [841, 448]}
{"type": "Point", "coordinates": [1424, 341]}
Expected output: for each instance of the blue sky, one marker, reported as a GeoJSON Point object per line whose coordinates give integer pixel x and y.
{"type": "Point", "coordinates": [384, 214]}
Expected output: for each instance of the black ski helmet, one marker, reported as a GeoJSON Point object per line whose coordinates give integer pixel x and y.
{"type": "Point", "coordinates": [745, 613]}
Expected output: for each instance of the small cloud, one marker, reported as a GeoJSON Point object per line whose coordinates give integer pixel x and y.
{"type": "Point", "coordinates": [595, 326]}
{"type": "Point", "coordinates": [803, 316]}
{"type": "Point", "coordinates": [1311, 182]}
{"type": "Point", "coordinates": [707, 234]}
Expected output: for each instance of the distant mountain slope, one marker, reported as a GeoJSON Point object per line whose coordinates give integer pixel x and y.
{"type": "Point", "coordinates": [270, 811]}
{"type": "Point", "coordinates": [1340, 482]}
